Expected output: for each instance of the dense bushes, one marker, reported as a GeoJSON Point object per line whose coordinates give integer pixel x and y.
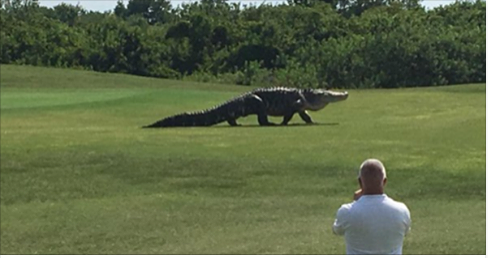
{"type": "Point", "coordinates": [350, 44]}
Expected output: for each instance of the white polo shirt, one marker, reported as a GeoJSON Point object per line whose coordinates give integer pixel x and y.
{"type": "Point", "coordinates": [374, 224]}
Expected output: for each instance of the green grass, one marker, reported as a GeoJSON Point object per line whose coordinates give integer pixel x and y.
{"type": "Point", "coordinates": [79, 176]}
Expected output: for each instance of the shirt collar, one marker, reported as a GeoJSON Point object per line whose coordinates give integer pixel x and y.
{"type": "Point", "coordinates": [373, 196]}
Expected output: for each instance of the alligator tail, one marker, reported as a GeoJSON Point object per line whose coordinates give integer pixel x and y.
{"type": "Point", "coordinates": [201, 118]}
{"type": "Point", "coordinates": [208, 117]}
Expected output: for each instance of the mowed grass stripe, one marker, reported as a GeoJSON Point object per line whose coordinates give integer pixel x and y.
{"type": "Point", "coordinates": [79, 176]}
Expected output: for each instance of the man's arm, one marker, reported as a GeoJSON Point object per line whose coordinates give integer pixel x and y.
{"type": "Point", "coordinates": [339, 226]}
{"type": "Point", "coordinates": [408, 221]}
{"type": "Point", "coordinates": [340, 222]}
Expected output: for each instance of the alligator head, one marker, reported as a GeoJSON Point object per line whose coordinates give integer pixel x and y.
{"type": "Point", "coordinates": [319, 98]}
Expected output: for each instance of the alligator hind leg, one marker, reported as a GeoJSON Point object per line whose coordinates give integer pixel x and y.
{"type": "Point", "coordinates": [287, 118]}
{"type": "Point", "coordinates": [232, 122]}
{"type": "Point", "coordinates": [305, 117]}
{"type": "Point", "coordinates": [256, 106]}
{"type": "Point", "coordinates": [263, 119]}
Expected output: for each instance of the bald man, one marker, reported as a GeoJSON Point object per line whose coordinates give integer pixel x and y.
{"type": "Point", "coordinates": [373, 223]}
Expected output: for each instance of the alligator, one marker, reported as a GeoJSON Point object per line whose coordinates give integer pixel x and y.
{"type": "Point", "coordinates": [263, 102]}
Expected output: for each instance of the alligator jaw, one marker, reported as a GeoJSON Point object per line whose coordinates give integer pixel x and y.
{"type": "Point", "coordinates": [319, 98]}
{"type": "Point", "coordinates": [337, 96]}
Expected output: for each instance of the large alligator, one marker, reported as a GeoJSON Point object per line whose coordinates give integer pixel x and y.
{"type": "Point", "coordinates": [262, 102]}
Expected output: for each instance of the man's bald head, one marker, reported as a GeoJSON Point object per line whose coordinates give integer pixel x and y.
{"type": "Point", "coordinates": [372, 174]}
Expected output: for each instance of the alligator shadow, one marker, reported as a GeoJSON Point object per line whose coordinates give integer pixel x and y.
{"type": "Point", "coordinates": [277, 125]}
{"type": "Point", "coordinates": [248, 126]}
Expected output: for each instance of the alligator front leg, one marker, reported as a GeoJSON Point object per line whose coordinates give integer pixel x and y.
{"type": "Point", "coordinates": [305, 117]}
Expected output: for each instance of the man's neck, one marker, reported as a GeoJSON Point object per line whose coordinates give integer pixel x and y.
{"type": "Point", "coordinates": [373, 192]}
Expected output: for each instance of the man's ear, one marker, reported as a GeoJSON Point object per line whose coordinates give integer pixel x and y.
{"type": "Point", "coordinates": [384, 181]}
{"type": "Point", "coordinates": [360, 183]}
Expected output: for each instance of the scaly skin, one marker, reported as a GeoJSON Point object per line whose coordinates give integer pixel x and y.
{"type": "Point", "coordinates": [262, 102]}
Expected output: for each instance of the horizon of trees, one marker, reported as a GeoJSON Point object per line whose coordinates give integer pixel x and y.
{"type": "Point", "coordinates": [303, 43]}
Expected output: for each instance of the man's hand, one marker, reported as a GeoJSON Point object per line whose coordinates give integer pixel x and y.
{"type": "Point", "coordinates": [358, 194]}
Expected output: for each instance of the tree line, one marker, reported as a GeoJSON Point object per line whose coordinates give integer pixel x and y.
{"type": "Point", "coordinates": [301, 43]}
